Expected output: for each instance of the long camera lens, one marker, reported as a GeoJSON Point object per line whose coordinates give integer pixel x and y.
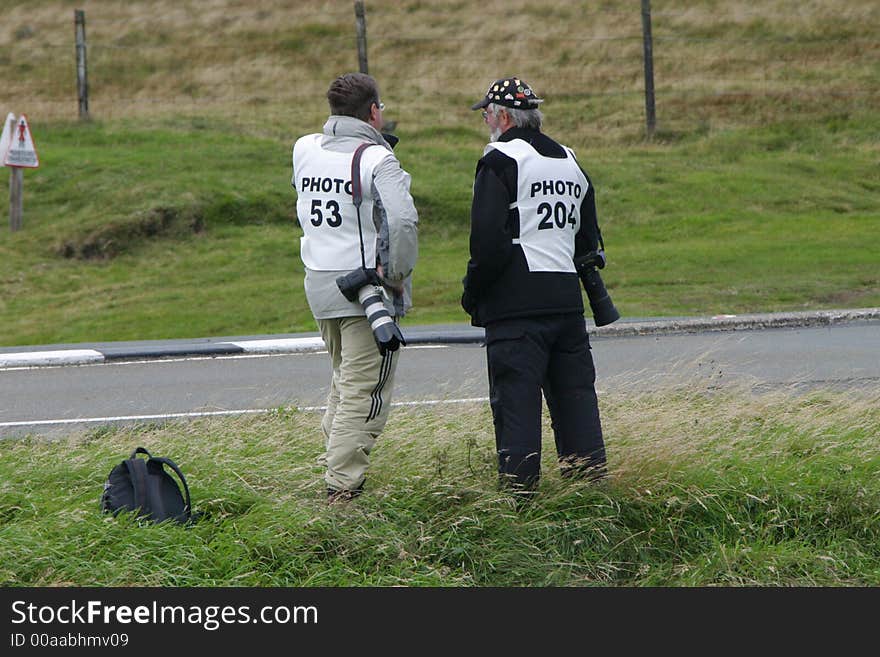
{"type": "Point", "coordinates": [363, 285]}
{"type": "Point", "coordinates": [603, 308]}
{"type": "Point", "coordinates": [385, 331]}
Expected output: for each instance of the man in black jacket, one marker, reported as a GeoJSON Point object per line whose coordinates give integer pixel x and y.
{"type": "Point", "coordinates": [533, 212]}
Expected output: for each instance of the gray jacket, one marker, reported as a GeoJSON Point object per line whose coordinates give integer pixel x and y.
{"type": "Point", "coordinates": [394, 215]}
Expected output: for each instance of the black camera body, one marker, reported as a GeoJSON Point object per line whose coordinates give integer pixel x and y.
{"type": "Point", "coordinates": [353, 281]}
{"type": "Point", "coordinates": [588, 266]}
{"type": "Point", "coordinates": [364, 286]}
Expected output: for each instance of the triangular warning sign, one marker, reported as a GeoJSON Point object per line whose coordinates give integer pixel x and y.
{"type": "Point", "coordinates": [21, 151]}
{"type": "Point", "coordinates": [6, 137]}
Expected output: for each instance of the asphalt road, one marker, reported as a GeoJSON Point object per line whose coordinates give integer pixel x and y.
{"type": "Point", "coordinates": [54, 401]}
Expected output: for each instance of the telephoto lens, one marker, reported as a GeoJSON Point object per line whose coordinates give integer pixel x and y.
{"type": "Point", "coordinates": [386, 332]}
{"type": "Point", "coordinates": [363, 285]}
{"type": "Point", "coordinates": [603, 308]}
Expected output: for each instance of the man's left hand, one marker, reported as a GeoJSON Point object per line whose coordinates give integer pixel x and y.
{"type": "Point", "coordinates": [397, 289]}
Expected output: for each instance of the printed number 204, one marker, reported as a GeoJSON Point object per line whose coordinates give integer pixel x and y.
{"type": "Point", "coordinates": [334, 220]}
{"type": "Point", "coordinates": [556, 215]}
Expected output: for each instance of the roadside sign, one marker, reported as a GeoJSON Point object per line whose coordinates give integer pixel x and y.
{"type": "Point", "coordinates": [21, 151]}
{"type": "Point", "coordinates": [7, 135]}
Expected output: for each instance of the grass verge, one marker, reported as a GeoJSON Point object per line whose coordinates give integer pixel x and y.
{"type": "Point", "coordinates": [709, 488]}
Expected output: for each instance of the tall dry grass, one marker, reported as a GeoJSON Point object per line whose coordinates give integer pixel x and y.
{"type": "Point", "coordinates": [264, 66]}
{"type": "Point", "coordinates": [707, 487]}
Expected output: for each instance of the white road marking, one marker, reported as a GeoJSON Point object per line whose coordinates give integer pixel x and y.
{"type": "Point", "coordinates": [198, 414]}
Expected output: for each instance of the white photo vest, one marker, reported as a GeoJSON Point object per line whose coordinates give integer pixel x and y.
{"type": "Point", "coordinates": [324, 206]}
{"type": "Point", "coordinates": [549, 195]}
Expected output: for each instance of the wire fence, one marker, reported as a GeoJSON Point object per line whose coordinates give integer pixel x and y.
{"type": "Point", "coordinates": [266, 67]}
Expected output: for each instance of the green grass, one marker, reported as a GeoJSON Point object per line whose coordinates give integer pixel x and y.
{"type": "Point", "coordinates": [171, 216]}
{"type": "Point", "coordinates": [708, 488]}
{"type": "Point", "coordinates": [175, 230]}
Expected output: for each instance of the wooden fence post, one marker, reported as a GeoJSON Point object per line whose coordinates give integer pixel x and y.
{"type": "Point", "coordinates": [82, 84]}
{"type": "Point", "coordinates": [361, 19]}
{"type": "Point", "coordinates": [650, 116]}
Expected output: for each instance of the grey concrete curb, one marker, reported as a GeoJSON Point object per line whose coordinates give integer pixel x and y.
{"type": "Point", "coordinates": [84, 354]}
{"type": "Point", "coordinates": [740, 322]}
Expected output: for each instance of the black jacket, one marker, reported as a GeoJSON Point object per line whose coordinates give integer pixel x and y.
{"type": "Point", "coordinates": [498, 284]}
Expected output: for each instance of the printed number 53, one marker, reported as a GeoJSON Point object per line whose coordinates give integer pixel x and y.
{"type": "Point", "coordinates": [332, 207]}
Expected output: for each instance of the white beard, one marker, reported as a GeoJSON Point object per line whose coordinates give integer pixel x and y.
{"type": "Point", "coordinates": [494, 134]}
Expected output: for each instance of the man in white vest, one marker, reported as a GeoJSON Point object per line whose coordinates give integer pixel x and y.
{"type": "Point", "coordinates": [378, 236]}
{"type": "Point", "coordinates": [533, 213]}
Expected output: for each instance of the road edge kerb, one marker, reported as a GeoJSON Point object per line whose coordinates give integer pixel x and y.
{"type": "Point", "coordinates": [86, 355]}
{"type": "Point", "coordinates": [741, 322]}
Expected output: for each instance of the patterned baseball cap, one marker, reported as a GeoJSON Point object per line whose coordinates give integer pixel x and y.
{"type": "Point", "coordinates": [510, 92]}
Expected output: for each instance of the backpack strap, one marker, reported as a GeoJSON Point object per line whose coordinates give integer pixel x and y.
{"type": "Point", "coordinates": [137, 470]}
{"type": "Point", "coordinates": [171, 464]}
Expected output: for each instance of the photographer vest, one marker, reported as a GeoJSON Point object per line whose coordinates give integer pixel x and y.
{"type": "Point", "coordinates": [324, 206]}
{"type": "Point", "coordinates": [549, 195]}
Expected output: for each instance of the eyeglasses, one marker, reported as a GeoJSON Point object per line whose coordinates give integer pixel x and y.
{"type": "Point", "coordinates": [381, 106]}
{"type": "Point", "coordinates": [485, 115]}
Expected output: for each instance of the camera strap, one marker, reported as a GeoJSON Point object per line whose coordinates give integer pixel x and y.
{"type": "Point", "coordinates": [357, 193]}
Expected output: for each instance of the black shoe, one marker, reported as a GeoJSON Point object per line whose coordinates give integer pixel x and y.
{"type": "Point", "coordinates": [344, 495]}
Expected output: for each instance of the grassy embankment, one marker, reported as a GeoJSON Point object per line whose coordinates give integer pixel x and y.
{"type": "Point", "coordinates": [140, 243]}
{"type": "Point", "coordinates": [170, 215]}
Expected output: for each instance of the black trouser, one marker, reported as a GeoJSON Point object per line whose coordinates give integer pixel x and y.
{"type": "Point", "coordinates": [549, 353]}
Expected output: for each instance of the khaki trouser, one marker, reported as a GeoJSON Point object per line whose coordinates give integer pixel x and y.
{"type": "Point", "coordinates": [359, 399]}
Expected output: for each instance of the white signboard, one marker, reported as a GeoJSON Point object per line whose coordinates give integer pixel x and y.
{"type": "Point", "coordinates": [21, 151]}
{"type": "Point", "coordinates": [7, 136]}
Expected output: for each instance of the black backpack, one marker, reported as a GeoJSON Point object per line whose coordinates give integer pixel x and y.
{"type": "Point", "coordinates": [144, 486]}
